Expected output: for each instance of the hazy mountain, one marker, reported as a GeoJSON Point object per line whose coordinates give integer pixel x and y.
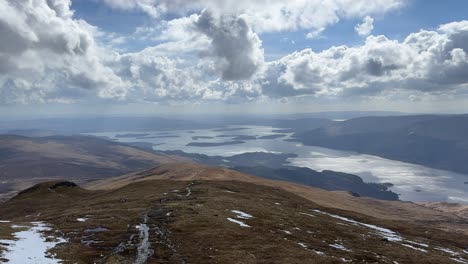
{"type": "Point", "coordinates": [24, 161]}
{"type": "Point", "coordinates": [101, 124]}
{"type": "Point", "coordinates": [431, 140]}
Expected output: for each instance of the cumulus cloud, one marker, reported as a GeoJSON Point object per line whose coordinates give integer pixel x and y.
{"type": "Point", "coordinates": [47, 55]}
{"type": "Point", "coordinates": [366, 27]}
{"type": "Point", "coordinates": [45, 52]}
{"type": "Point", "coordinates": [233, 43]}
{"type": "Point", "coordinates": [426, 61]}
{"type": "Point", "coordinates": [268, 15]}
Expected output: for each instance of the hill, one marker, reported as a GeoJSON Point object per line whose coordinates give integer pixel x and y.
{"type": "Point", "coordinates": [435, 141]}
{"type": "Point", "coordinates": [25, 161]}
{"type": "Point", "coordinates": [381, 209]}
{"type": "Point", "coordinates": [187, 213]}
{"type": "Point", "coordinates": [271, 166]}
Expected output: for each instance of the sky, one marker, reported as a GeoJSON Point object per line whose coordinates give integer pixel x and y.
{"type": "Point", "coordinates": [62, 57]}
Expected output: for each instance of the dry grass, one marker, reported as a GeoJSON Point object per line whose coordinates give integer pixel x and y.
{"type": "Point", "coordinates": [385, 210]}
{"type": "Point", "coordinates": [195, 229]}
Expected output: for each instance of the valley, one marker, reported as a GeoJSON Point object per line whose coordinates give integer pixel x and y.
{"type": "Point", "coordinates": [411, 181]}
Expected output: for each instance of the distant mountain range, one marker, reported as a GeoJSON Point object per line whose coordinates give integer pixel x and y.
{"type": "Point", "coordinates": [25, 161]}
{"type": "Point", "coordinates": [437, 141]}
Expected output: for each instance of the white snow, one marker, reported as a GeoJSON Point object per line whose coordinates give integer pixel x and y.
{"type": "Point", "coordinates": [415, 248]}
{"type": "Point", "coordinates": [384, 232]}
{"type": "Point", "coordinates": [277, 203]}
{"type": "Point", "coordinates": [30, 246]}
{"type": "Point", "coordinates": [459, 260]}
{"type": "Point", "coordinates": [4, 221]}
{"type": "Point", "coordinates": [302, 245]}
{"type": "Point", "coordinates": [340, 247]}
{"type": "Point", "coordinates": [319, 252]}
{"type": "Point", "coordinates": [82, 219]}
{"type": "Point", "coordinates": [287, 232]}
{"type": "Point", "coordinates": [307, 214]}
{"type": "Point", "coordinates": [19, 226]}
{"type": "Point", "coordinates": [242, 215]}
{"type": "Point", "coordinates": [417, 243]}
{"type": "Point", "coordinates": [446, 250]}
{"type": "Point", "coordinates": [237, 222]}
{"type": "Point", "coordinates": [144, 248]}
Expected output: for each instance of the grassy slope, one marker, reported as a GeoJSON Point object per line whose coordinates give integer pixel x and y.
{"type": "Point", "coordinates": [193, 228]}
{"type": "Point", "coordinates": [387, 210]}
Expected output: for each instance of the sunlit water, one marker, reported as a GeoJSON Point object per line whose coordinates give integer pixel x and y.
{"type": "Point", "coordinates": [412, 182]}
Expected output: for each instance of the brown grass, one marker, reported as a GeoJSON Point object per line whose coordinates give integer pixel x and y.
{"type": "Point", "coordinates": [194, 229]}
{"type": "Point", "coordinates": [385, 210]}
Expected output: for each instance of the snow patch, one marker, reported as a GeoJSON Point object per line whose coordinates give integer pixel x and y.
{"type": "Point", "coordinates": [31, 247]}
{"type": "Point", "coordinates": [459, 260]}
{"type": "Point", "coordinates": [446, 250]}
{"type": "Point", "coordinates": [307, 214]}
{"type": "Point", "coordinates": [340, 247]}
{"type": "Point", "coordinates": [242, 215]}
{"type": "Point", "coordinates": [415, 248]}
{"type": "Point", "coordinates": [144, 248]}
{"type": "Point", "coordinates": [287, 232]}
{"type": "Point", "coordinates": [4, 221]}
{"type": "Point", "coordinates": [384, 232]}
{"type": "Point", "coordinates": [302, 245]}
{"type": "Point", "coordinates": [319, 252]}
{"type": "Point", "coordinates": [417, 243]}
{"type": "Point", "coordinates": [82, 219]}
{"type": "Point", "coordinates": [19, 226]}
{"type": "Point", "coordinates": [242, 224]}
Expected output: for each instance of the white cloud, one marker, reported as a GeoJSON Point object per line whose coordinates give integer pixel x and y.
{"type": "Point", "coordinates": [268, 15]}
{"type": "Point", "coordinates": [366, 27]}
{"type": "Point", "coordinates": [235, 46]}
{"type": "Point", "coordinates": [430, 62]}
{"type": "Point", "coordinates": [47, 55]}
{"type": "Point", "coordinates": [316, 34]}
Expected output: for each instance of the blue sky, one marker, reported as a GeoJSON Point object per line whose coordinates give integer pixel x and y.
{"type": "Point", "coordinates": [145, 56]}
